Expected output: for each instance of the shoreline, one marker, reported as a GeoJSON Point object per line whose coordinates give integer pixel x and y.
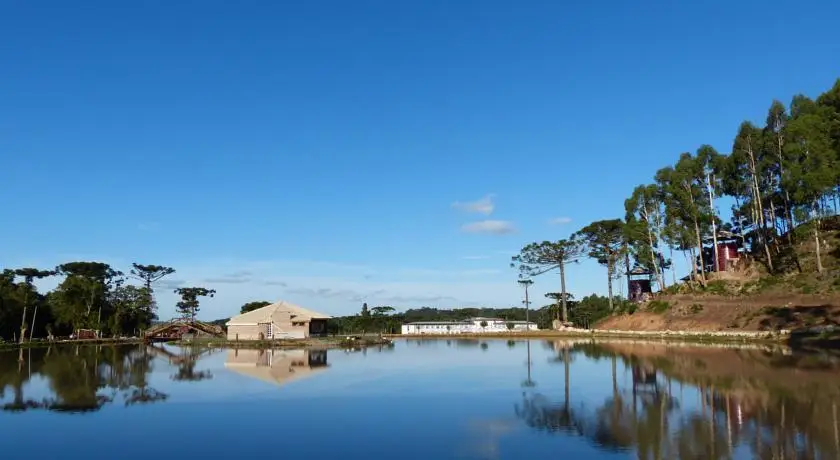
{"type": "Point", "coordinates": [783, 337]}
{"type": "Point", "coordinates": [49, 343]}
{"type": "Point", "coordinates": [780, 337]}
{"type": "Point", "coordinates": [338, 342]}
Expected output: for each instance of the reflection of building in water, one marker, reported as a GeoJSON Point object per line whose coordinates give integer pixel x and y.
{"type": "Point", "coordinates": [276, 366]}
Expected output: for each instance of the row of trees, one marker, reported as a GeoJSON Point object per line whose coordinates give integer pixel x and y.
{"type": "Point", "coordinates": [91, 295]}
{"type": "Point", "coordinates": [783, 179]}
{"type": "Point", "coordinates": [387, 320]}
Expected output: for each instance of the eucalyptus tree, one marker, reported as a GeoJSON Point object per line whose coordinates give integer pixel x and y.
{"type": "Point", "coordinates": [746, 155]}
{"type": "Point", "coordinates": [605, 241]}
{"type": "Point", "coordinates": [814, 167]}
{"type": "Point", "coordinates": [645, 217]}
{"type": "Point", "coordinates": [711, 164]}
{"type": "Point", "coordinates": [690, 176]}
{"type": "Point", "coordinates": [538, 258]}
{"type": "Point", "coordinates": [683, 190]}
{"type": "Point", "coordinates": [776, 127]}
{"type": "Point", "coordinates": [29, 275]}
{"type": "Point", "coordinates": [188, 306]}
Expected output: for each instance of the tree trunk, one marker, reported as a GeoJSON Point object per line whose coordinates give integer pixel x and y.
{"type": "Point", "coordinates": [566, 363]}
{"type": "Point", "coordinates": [564, 305]}
{"type": "Point", "coordinates": [775, 221]}
{"type": "Point", "coordinates": [673, 265]}
{"type": "Point", "coordinates": [627, 270]}
{"type": "Point", "coordinates": [759, 207]}
{"type": "Point", "coordinates": [700, 252]}
{"type": "Point", "coordinates": [32, 330]}
{"type": "Point", "coordinates": [22, 337]}
{"type": "Point", "coordinates": [780, 141]}
{"type": "Point", "coordinates": [817, 245]}
{"type": "Point", "coordinates": [653, 254]}
{"type": "Point", "coordinates": [609, 283]}
{"type": "Point", "coordinates": [714, 225]}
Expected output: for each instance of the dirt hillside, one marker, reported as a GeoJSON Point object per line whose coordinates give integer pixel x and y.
{"type": "Point", "coordinates": [716, 313]}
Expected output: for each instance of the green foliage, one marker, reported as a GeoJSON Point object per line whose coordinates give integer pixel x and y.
{"type": "Point", "coordinates": [538, 258]}
{"type": "Point", "coordinates": [658, 306]}
{"type": "Point", "coordinates": [717, 287]}
{"type": "Point", "coordinates": [251, 306]}
{"type": "Point", "coordinates": [149, 274]}
{"type": "Point", "coordinates": [129, 309]}
{"type": "Point", "coordinates": [188, 306]}
{"type": "Point", "coordinates": [591, 309]}
{"type": "Point", "coordinates": [606, 244]}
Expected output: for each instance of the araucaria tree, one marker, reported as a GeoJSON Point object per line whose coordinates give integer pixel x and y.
{"type": "Point", "coordinates": [605, 241]}
{"type": "Point", "coordinates": [150, 274]}
{"type": "Point", "coordinates": [538, 258]}
{"type": "Point", "coordinates": [188, 306]}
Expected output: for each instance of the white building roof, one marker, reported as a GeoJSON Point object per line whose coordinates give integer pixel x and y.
{"type": "Point", "coordinates": [265, 314]}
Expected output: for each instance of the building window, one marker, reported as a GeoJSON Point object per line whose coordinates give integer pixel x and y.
{"type": "Point", "coordinates": [268, 331]}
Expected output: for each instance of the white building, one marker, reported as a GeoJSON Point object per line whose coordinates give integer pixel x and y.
{"type": "Point", "coordinates": [468, 326]}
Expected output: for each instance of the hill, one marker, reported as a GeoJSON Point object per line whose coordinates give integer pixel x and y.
{"type": "Point", "coordinates": [796, 297]}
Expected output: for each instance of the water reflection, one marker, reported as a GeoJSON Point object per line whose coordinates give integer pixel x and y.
{"type": "Point", "coordinates": [79, 378]}
{"type": "Point", "coordinates": [729, 404]}
{"type": "Point", "coordinates": [185, 359]}
{"type": "Point", "coordinates": [276, 366]}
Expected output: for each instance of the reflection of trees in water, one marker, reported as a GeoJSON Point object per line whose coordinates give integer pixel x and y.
{"type": "Point", "coordinates": [186, 360]}
{"type": "Point", "coordinates": [647, 418]}
{"type": "Point", "coordinates": [80, 378]}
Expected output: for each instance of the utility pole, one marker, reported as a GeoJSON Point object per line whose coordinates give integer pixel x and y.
{"type": "Point", "coordinates": [525, 283]}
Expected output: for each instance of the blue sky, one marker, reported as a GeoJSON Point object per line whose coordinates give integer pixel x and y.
{"type": "Point", "coordinates": [315, 151]}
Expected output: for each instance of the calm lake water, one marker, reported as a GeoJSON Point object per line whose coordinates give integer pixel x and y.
{"type": "Point", "coordinates": [425, 399]}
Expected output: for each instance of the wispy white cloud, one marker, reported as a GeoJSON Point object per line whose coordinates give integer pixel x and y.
{"type": "Point", "coordinates": [493, 227]}
{"type": "Point", "coordinates": [476, 257]}
{"type": "Point", "coordinates": [239, 277]}
{"type": "Point", "coordinates": [560, 221]}
{"type": "Point", "coordinates": [483, 205]}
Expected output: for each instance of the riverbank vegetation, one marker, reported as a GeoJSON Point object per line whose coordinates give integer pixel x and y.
{"type": "Point", "coordinates": [781, 183]}
{"type": "Point", "coordinates": [92, 300]}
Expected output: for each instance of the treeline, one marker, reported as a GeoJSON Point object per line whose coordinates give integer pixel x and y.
{"type": "Point", "coordinates": [783, 179]}
{"type": "Point", "coordinates": [91, 296]}
{"type": "Point", "coordinates": [583, 313]}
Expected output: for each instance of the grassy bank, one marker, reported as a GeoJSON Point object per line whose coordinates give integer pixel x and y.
{"type": "Point", "coordinates": [48, 343]}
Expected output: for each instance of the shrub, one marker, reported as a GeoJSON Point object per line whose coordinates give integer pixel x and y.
{"type": "Point", "coordinates": [696, 308]}
{"type": "Point", "coordinates": [658, 306]}
{"type": "Point", "coordinates": [717, 287]}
